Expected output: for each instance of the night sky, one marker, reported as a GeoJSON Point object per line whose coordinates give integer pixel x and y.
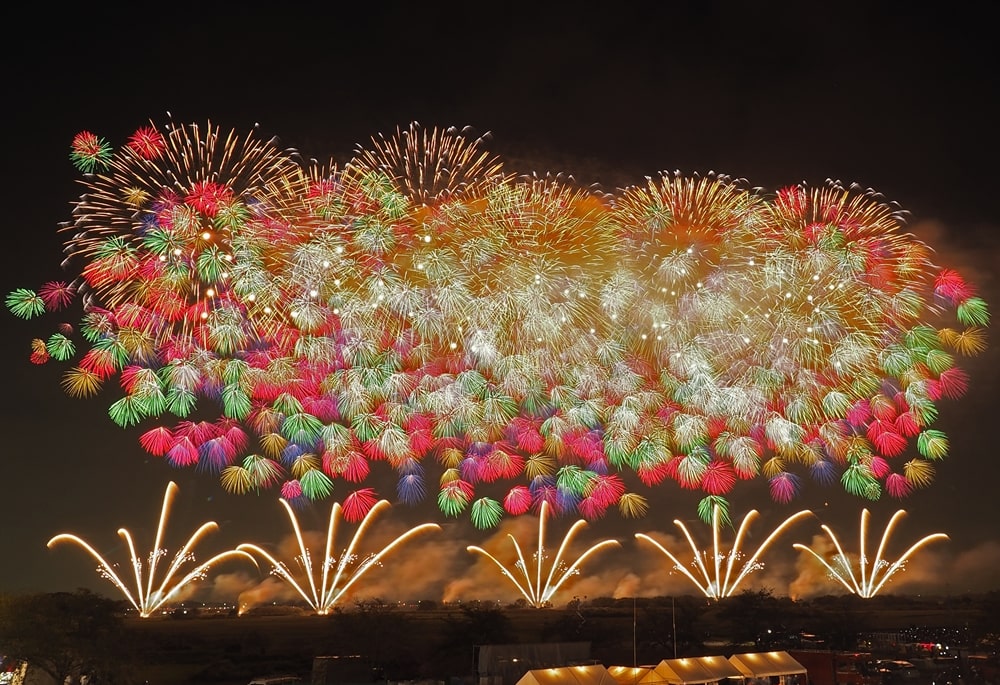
{"type": "Point", "coordinates": [776, 93]}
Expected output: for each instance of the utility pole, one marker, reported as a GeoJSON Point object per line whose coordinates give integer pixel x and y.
{"type": "Point", "coordinates": [673, 624]}
{"type": "Point", "coordinates": [634, 662]}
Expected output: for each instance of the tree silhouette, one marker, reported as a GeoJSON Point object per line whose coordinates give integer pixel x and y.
{"type": "Point", "coordinates": [67, 634]}
{"type": "Point", "coordinates": [477, 623]}
{"type": "Point", "coordinates": [748, 615]}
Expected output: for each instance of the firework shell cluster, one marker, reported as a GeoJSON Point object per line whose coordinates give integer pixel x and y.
{"type": "Point", "coordinates": [497, 341]}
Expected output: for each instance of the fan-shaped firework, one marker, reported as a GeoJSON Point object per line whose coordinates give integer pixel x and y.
{"type": "Point", "coordinates": [323, 586]}
{"type": "Point", "coordinates": [872, 574]}
{"type": "Point", "coordinates": [535, 584]}
{"type": "Point", "coordinates": [717, 573]}
{"type": "Point", "coordinates": [512, 340]}
{"type": "Point", "coordinates": [147, 599]}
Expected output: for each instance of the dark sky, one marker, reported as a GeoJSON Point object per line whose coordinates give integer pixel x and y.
{"type": "Point", "coordinates": [900, 100]}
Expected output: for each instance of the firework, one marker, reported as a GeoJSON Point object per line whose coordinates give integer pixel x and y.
{"type": "Point", "coordinates": [508, 340]}
{"type": "Point", "coordinates": [324, 585]}
{"type": "Point", "coordinates": [528, 577]}
{"type": "Point", "coordinates": [146, 598]}
{"type": "Point", "coordinates": [869, 578]}
{"type": "Point", "coordinates": [719, 573]}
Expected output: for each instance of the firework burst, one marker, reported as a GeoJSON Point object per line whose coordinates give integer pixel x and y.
{"type": "Point", "coordinates": [531, 579]}
{"type": "Point", "coordinates": [325, 584]}
{"type": "Point", "coordinates": [718, 573]}
{"type": "Point", "coordinates": [865, 577]}
{"type": "Point", "coordinates": [144, 597]}
{"type": "Point", "coordinates": [512, 340]}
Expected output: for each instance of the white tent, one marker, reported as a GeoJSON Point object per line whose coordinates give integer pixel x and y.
{"type": "Point", "coordinates": [767, 665]}
{"type": "Point", "coordinates": [590, 674]}
{"type": "Point", "coordinates": [628, 675]}
{"type": "Point", "coordinates": [689, 670]}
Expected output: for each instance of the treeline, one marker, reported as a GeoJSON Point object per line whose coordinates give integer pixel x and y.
{"type": "Point", "coordinates": [81, 632]}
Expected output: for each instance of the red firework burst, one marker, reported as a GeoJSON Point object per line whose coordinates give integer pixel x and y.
{"type": "Point", "coordinates": [147, 143]}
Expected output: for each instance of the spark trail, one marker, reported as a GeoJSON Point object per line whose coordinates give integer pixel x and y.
{"type": "Point", "coordinates": [715, 567]}
{"type": "Point", "coordinates": [325, 584]}
{"type": "Point", "coordinates": [144, 597]}
{"type": "Point", "coordinates": [867, 579]}
{"type": "Point", "coordinates": [527, 576]}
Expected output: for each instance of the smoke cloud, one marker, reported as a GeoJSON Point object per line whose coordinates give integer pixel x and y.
{"type": "Point", "coordinates": [437, 566]}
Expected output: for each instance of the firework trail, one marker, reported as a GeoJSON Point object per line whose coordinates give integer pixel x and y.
{"type": "Point", "coordinates": [325, 585]}
{"type": "Point", "coordinates": [871, 575]}
{"type": "Point", "coordinates": [531, 579]}
{"type": "Point", "coordinates": [718, 573]}
{"type": "Point", "coordinates": [508, 340]}
{"type": "Point", "coordinates": [145, 598]}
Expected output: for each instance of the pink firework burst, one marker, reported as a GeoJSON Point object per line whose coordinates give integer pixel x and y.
{"type": "Point", "coordinates": [591, 508]}
{"type": "Point", "coordinates": [157, 440]}
{"type": "Point", "coordinates": [353, 466]}
{"type": "Point", "coordinates": [907, 424]}
{"type": "Point", "coordinates": [147, 142]}
{"type": "Point", "coordinates": [951, 286]}
{"type": "Point", "coordinates": [518, 500]}
{"type": "Point", "coordinates": [182, 453]}
{"type": "Point", "coordinates": [358, 504]}
{"type": "Point", "coordinates": [606, 491]}
{"type": "Point", "coordinates": [897, 486]}
{"type": "Point", "coordinates": [653, 474]}
{"type": "Point", "coordinates": [885, 438]}
{"type": "Point", "coordinates": [208, 197]}
{"type": "Point", "coordinates": [291, 490]}
{"type": "Point", "coordinates": [57, 295]}
{"type": "Point", "coordinates": [236, 436]}
{"type": "Point", "coordinates": [526, 435]}
{"type": "Point", "coordinates": [880, 467]}
{"type": "Point", "coordinates": [784, 487]}
{"type": "Point", "coordinates": [719, 478]}
{"type": "Point", "coordinates": [953, 383]}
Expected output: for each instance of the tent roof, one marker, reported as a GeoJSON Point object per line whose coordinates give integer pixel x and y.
{"type": "Point", "coordinates": [590, 674]}
{"type": "Point", "coordinates": [699, 669]}
{"type": "Point", "coordinates": [766, 664]}
{"type": "Point", "coordinates": [627, 675]}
